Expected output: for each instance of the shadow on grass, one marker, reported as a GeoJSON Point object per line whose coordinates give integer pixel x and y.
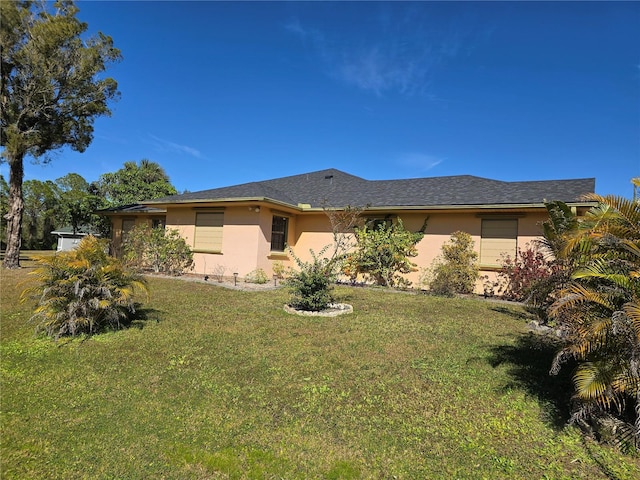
{"type": "Point", "coordinates": [517, 313]}
{"type": "Point", "coordinates": [141, 317]}
{"type": "Point", "coordinates": [529, 361]}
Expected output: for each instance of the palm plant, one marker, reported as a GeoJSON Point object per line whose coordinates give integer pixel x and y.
{"type": "Point", "coordinates": [83, 291]}
{"type": "Point", "coordinates": [599, 311]}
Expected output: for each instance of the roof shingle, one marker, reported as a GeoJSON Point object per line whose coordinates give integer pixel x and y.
{"type": "Point", "coordinates": [334, 188]}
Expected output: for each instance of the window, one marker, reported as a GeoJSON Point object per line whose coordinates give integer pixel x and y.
{"type": "Point", "coordinates": [127, 226]}
{"type": "Point", "coordinates": [208, 236]}
{"type": "Point", "coordinates": [159, 223]}
{"type": "Point", "coordinates": [279, 230]}
{"type": "Point", "coordinates": [373, 223]}
{"type": "Point", "coordinates": [498, 237]}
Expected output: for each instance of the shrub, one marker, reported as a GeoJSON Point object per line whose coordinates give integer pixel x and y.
{"type": "Point", "coordinates": [280, 271]}
{"type": "Point", "coordinates": [532, 278]}
{"type": "Point", "coordinates": [382, 254]}
{"type": "Point", "coordinates": [520, 274]}
{"type": "Point", "coordinates": [456, 269]}
{"type": "Point", "coordinates": [218, 273]}
{"type": "Point", "coordinates": [311, 287]}
{"type": "Point", "coordinates": [256, 276]}
{"type": "Point", "coordinates": [83, 291]}
{"type": "Point", "coordinates": [158, 250]}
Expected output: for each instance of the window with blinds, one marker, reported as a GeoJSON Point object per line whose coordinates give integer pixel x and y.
{"type": "Point", "coordinates": [208, 235]}
{"type": "Point", "coordinates": [499, 237]}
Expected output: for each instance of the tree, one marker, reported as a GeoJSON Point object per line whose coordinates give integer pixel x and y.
{"type": "Point", "coordinates": [599, 313]}
{"type": "Point", "coordinates": [4, 209]}
{"type": "Point", "coordinates": [77, 201]}
{"type": "Point", "coordinates": [42, 214]}
{"type": "Point", "coordinates": [382, 253]}
{"type": "Point", "coordinates": [50, 91]}
{"type": "Point", "coordinates": [134, 183]}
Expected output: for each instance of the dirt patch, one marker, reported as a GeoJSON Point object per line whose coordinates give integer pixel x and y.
{"type": "Point", "coordinates": [238, 284]}
{"type": "Point", "coordinates": [334, 310]}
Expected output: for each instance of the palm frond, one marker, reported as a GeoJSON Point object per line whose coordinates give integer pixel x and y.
{"type": "Point", "coordinates": [592, 383]}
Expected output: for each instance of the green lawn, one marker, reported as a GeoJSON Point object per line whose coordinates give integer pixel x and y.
{"type": "Point", "coordinates": [215, 383]}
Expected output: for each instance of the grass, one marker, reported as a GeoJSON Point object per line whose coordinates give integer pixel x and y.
{"type": "Point", "coordinates": [215, 383]}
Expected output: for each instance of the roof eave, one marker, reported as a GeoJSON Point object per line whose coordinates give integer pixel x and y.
{"type": "Point", "coordinates": [461, 207]}
{"type": "Point", "coordinates": [200, 201]}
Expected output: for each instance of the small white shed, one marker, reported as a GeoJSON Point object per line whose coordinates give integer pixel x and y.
{"type": "Point", "coordinates": [67, 240]}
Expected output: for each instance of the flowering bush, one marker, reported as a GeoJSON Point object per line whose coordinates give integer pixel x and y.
{"type": "Point", "coordinates": [521, 274]}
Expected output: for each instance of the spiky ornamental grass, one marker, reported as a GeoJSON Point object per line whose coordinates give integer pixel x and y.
{"type": "Point", "coordinates": [83, 291]}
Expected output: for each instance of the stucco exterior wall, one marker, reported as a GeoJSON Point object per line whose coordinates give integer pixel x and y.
{"type": "Point", "coordinates": [241, 237]}
{"type": "Point", "coordinates": [246, 236]}
{"type": "Point", "coordinates": [314, 232]}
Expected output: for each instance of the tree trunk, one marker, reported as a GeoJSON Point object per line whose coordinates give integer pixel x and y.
{"type": "Point", "coordinates": [14, 217]}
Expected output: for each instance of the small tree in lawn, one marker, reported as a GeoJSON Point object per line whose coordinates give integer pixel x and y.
{"type": "Point", "coordinates": [311, 286]}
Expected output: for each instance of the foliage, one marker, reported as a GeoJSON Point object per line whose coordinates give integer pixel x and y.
{"type": "Point", "coordinates": [83, 291]}
{"type": "Point", "coordinates": [532, 277]}
{"type": "Point", "coordinates": [42, 214]}
{"type": "Point", "coordinates": [69, 201]}
{"type": "Point", "coordinates": [562, 221]}
{"type": "Point", "coordinates": [545, 266]}
{"type": "Point", "coordinates": [456, 270]}
{"type": "Point", "coordinates": [134, 183]}
{"type": "Point", "coordinates": [520, 275]}
{"type": "Point", "coordinates": [256, 276]}
{"type": "Point", "coordinates": [599, 314]}
{"type": "Point", "coordinates": [311, 287]}
{"type": "Point", "coordinates": [382, 253]}
{"type": "Point", "coordinates": [78, 201]}
{"type": "Point", "coordinates": [280, 271]}
{"type": "Point", "coordinates": [52, 89]}
{"type": "Point", "coordinates": [343, 222]}
{"type": "Point", "coordinates": [157, 249]}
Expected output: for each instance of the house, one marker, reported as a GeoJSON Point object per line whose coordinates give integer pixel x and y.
{"type": "Point", "coordinates": [239, 228]}
{"type": "Point", "coordinates": [69, 240]}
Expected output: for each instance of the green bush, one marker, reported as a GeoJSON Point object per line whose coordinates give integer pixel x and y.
{"type": "Point", "coordinates": [83, 291]}
{"type": "Point", "coordinates": [311, 287]}
{"type": "Point", "coordinates": [456, 270]}
{"type": "Point", "coordinates": [382, 254]}
{"type": "Point", "coordinates": [256, 276]}
{"type": "Point", "coordinates": [158, 250]}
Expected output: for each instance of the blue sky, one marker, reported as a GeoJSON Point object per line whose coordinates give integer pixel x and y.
{"type": "Point", "coordinates": [220, 93]}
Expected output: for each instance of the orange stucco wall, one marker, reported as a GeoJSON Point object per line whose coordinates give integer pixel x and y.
{"type": "Point", "coordinates": [313, 232]}
{"type": "Point", "coordinates": [247, 234]}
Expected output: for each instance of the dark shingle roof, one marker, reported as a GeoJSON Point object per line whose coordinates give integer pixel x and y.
{"type": "Point", "coordinates": [335, 188]}
{"type": "Point", "coordinates": [133, 208]}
